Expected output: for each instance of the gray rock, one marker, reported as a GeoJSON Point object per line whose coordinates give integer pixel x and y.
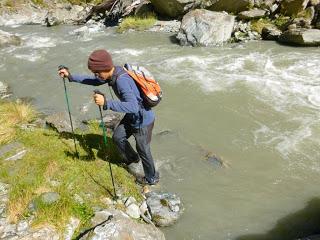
{"type": "Point", "coordinates": [61, 122]}
{"type": "Point", "coordinates": [15, 146]}
{"type": "Point", "coordinates": [63, 14]}
{"type": "Point", "coordinates": [22, 226]}
{"type": "Point", "coordinates": [165, 208]}
{"type": "Point", "coordinates": [203, 28]}
{"type": "Point", "coordinates": [49, 197]}
{"type": "Point", "coordinates": [166, 26]}
{"type": "Point", "coordinates": [19, 155]}
{"type": "Point", "coordinates": [122, 227]}
{"type": "Point", "coordinates": [8, 39]}
{"type": "Point", "coordinates": [172, 8]}
{"type": "Point", "coordinates": [135, 169]}
{"type": "Point", "coordinates": [301, 37]}
{"type": "Point", "coordinates": [45, 233]}
{"type": "Point", "coordinates": [231, 6]}
{"type": "Point", "coordinates": [252, 14]}
{"type": "Point", "coordinates": [270, 33]}
{"type": "Point", "coordinates": [71, 227]}
{"type": "Point", "coordinates": [133, 211]}
{"type": "Point", "coordinates": [293, 7]}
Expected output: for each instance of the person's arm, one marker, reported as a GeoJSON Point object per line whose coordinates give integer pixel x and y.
{"type": "Point", "coordinates": [128, 103]}
{"type": "Point", "coordinates": [85, 79]}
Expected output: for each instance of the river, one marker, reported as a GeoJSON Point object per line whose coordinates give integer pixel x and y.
{"type": "Point", "coordinates": [256, 105]}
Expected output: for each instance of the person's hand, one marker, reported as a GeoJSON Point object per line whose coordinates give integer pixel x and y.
{"type": "Point", "coordinates": [99, 99]}
{"type": "Point", "coordinates": [64, 73]}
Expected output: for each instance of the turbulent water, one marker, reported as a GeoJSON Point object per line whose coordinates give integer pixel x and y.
{"type": "Point", "coordinates": [256, 105]}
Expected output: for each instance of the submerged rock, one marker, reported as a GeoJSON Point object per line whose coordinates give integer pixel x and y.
{"type": "Point", "coordinates": [203, 28]}
{"type": "Point", "coordinates": [301, 37]}
{"type": "Point", "coordinates": [165, 208]}
{"type": "Point", "coordinates": [8, 39]}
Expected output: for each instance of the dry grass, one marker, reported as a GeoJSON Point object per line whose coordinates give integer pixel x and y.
{"type": "Point", "coordinates": [11, 115]}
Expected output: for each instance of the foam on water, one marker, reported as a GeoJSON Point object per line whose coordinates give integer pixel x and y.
{"type": "Point", "coordinates": [129, 51]}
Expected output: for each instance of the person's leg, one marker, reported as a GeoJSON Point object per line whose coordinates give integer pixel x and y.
{"type": "Point", "coordinates": [143, 139]}
{"type": "Point", "coordinates": [120, 138]}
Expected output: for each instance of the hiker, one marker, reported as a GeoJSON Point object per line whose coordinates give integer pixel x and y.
{"type": "Point", "coordinates": [138, 119]}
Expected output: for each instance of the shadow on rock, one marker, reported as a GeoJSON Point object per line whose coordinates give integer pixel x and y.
{"type": "Point", "coordinates": [298, 225]}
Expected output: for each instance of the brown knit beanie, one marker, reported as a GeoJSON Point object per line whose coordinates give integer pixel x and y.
{"type": "Point", "coordinates": [100, 60]}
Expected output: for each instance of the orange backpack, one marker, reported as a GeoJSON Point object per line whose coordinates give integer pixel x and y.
{"type": "Point", "coordinates": [148, 86]}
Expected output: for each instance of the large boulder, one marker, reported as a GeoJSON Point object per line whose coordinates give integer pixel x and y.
{"type": "Point", "coordinates": [8, 39]}
{"type": "Point", "coordinates": [172, 8]}
{"type": "Point", "coordinates": [301, 37]}
{"type": "Point", "coordinates": [63, 14]}
{"type": "Point", "coordinates": [116, 225]}
{"type": "Point", "coordinates": [203, 28]}
{"type": "Point", "coordinates": [231, 6]}
{"type": "Point", "coordinates": [293, 7]}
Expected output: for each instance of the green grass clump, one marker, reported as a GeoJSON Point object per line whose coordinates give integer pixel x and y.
{"type": "Point", "coordinates": [50, 158]}
{"type": "Point", "coordinates": [258, 25]}
{"type": "Point", "coordinates": [281, 22]}
{"type": "Point", "coordinates": [137, 23]}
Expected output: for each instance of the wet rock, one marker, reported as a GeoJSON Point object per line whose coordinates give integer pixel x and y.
{"type": "Point", "coordinates": [165, 208]}
{"type": "Point", "coordinates": [85, 32]}
{"type": "Point", "coordinates": [71, 227]}
{"type": "Point", "coordinates": [243, 32]}
{"type": "Point", "coordinates": [203, 28]}
{"type": "Point", "coordinates": [49, 197]}
{"type": "Point", "coordinates": [270, 33]}
{"type": "Point", "coordinates": [231, 6]}
{"type": "Point", "coordinates": [172, 8]}
{"type": "Point", "coordinates": [166, 26]}
{"type": "Point", "coordinates": [63, 14]}
{"type": "Point", "coordinates": [120, 226]}
{"type": "Point", "coordinates": [301, 37]}
{"type": "Point", "coordinates": [252, 14]}
{"type": "Point", "coordinates": [61, 122]}
{"type": "Point", "coordinates": [293, 7]}
{"type": "Point", "coordinates": [19, 155]}
{"type": "Point", "coordinates": [8, 39]}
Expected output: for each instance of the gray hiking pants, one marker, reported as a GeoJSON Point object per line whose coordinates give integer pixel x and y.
{"type": "Point", "coordinates": [143, 138]}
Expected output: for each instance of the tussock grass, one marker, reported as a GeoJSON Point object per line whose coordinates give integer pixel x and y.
{"type": "Point", "coordinates": [137, 23]}
{"type": "Point", "coordinates": [11, 115]}
{"type": "Point", "coordinates": [50, 158]}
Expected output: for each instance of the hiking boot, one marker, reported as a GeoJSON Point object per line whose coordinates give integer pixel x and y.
{"type": "Point", "coordinates": [144, 181]}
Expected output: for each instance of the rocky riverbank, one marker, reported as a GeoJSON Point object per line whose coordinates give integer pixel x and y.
{"type": "Point", "coordinates": [195, 23]}
{"type": "Point", "coordinates": [48, 193]}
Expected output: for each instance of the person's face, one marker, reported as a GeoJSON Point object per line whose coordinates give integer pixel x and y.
{"type": "Point", "coordinates": [103, 75]}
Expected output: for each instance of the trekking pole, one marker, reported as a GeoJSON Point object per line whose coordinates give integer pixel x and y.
{"type": "Point", "coordinates": [105, 143]}
{"type": "Point", "coordinates": [68, 106]}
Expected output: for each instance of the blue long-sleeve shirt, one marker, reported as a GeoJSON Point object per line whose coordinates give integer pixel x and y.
{"type": "Point", "coordinates": [128, 93]}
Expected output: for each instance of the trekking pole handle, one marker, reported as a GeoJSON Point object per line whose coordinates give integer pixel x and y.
{"type": "Point", "coordinates": [63, 67]}
{"type": "Point", "coordinates": [96, 91]}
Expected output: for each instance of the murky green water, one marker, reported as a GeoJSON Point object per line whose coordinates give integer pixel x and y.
{"type": "Point", "coordinates": [256, 105]}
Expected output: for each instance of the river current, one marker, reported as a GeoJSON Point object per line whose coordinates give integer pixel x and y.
{"type": "Point", "coordinates": [256, 105]}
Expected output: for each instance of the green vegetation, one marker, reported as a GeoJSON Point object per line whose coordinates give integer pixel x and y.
{"type": "Point", "coordinates": [50, 165]}
{"type": "Point", "coordinates": [281, 22]}
{"type": "Point", "coordinates": [137, 23]}
{"type": "Point", "coordinates": [258, 25]}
